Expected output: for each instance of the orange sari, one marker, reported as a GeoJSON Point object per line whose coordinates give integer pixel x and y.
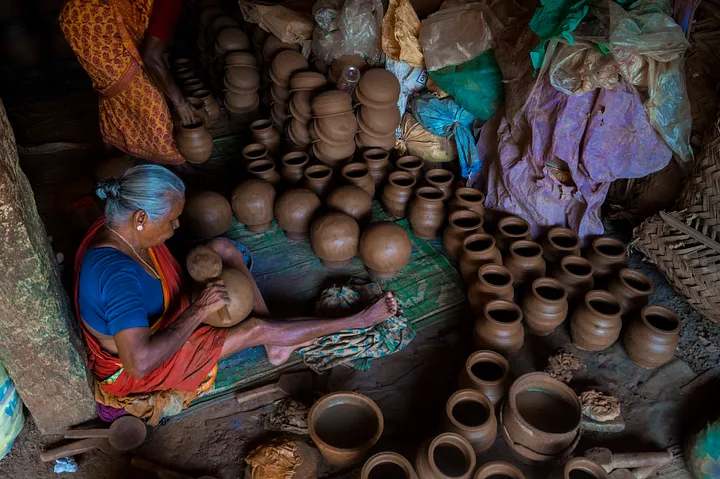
{"type": "Point", "coordinates": [105, 35]}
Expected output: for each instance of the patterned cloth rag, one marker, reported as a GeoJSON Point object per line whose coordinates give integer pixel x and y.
{"type": "Point", "coordinates": [356, 347]}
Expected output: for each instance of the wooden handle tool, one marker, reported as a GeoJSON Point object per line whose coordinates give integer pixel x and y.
{"type": "Point", "coordinates": [72, 449]}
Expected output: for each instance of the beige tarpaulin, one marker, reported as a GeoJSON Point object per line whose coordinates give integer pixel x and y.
{"type": "Point", "coordinates": [289, 25]}
{"type": "Point", "coordinates": [401, 28]}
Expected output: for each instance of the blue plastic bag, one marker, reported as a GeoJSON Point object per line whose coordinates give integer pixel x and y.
{"type": "Point", "coordinates": [12, 418]}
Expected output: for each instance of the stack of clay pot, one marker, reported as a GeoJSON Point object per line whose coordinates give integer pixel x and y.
{"type": "Point", "coordinates": [333, 128]}
{"type": "Point", "coordinates": [285, 64]}
{"type": "Point", "coordinates": [242, 82]}
{"type": "Point", "coordinates": [378, 116]}
{"type": "Point", "coordinates": [270, 48]}
{"type": "Point", "coordinates": [303, 88]}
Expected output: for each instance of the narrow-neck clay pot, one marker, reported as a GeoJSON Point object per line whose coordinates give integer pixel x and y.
{"type": "Point", "coordinates": [584, 468]}
{"type": "Point", "coordinates": [263, 132]}
{"type": "Point", "coordinates": [294, 211]}
{"type": "Point", "coordinates": [254, 151]}
{"type": "Point", "coordinates": [264, 169]}
{"type": "Point", "coordinates": [385, 248]}
{"type": "Point", "coordinates": [576, 274]}
{"type": "Point", "coordinates": [488, 372]}
{"type": "Point", "coordinates": [499, 470]}
{"type": "Point", "coordinates": [253, 202]}
{"type": "Point", "coordinates": [545, 306]}
{"type": "Point", "coordinates": [377, 161]}
{"type": "Point", "coordinates": [293, 166]}
{"type": "Point", "coordinates": [461, 224]}
{"type": "Point", "coordinates": [427, 212]}
{"type": "Point", "coordinates": [334, 239]}
{"type": "Point", "coordinates": [632, 289]}
{"type": "Point", "coordinates": [358, 174]}
{"type": "Point", "coordinates": [442, 180]}
{"type": "Point", "coordinates": [471, 414]}
{"type": "Point", "coordinates": [493, 281]}
{"type": "Point", "coordinates": [595, 325]}
{"type": "Point", "coordinates": [397, 193]}
{"type": "Point", "coordinates": [210, 103]}
{"type": "Point", "coordinates": [652, 337]}
{"type": "Point", "coordinates": [500, 328]}
{"type": "Point", "coordinates": [388, 464]}
{"type": "Point", "coordinates": [509, 230]}
{"type": "Point", "coordinates": [468, 199]}
{"type": "Point", "coordinates": [411, 164]}
{"type": "Point", "coordinates": [194, 142]}
{"type": "Point", "coordinates": [560, 242]}
{"type": "Point", "coordinates": [477, 249]}
{"type": "Point", "coordinates": [352, 201]}
{"type": "Point", "coordinates": [606, 255]}
{"type": "Point", "coordinates": [524, 260]}
{"type": "Point", "coordinates": [318, 179]}
{"type": "Point", "coordinates": [446, 456]}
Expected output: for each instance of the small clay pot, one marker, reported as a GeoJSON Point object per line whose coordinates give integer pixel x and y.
{"type": "Point", "coordinates": [509, 230]}
{"type": "Point", "coordinates": [334, 238]}
{"type": "Point", "coordinates": [385, 248]}
{"type": "Point", "coordinates": [595, 325]}
{"type": "Point", "coordinates": [254, 151]}
{"type": "Point", "coordinates": [499, 470]}
{"type": "Point", "coordinates": [294, 211]}
{"type": "Point", "coordinates": [377, 161]}
{"type": "Point", "coordinates": [345, 426]}
{"type": "Point", "coordinates": [500, 328]}
{"type": "Point", "coordinates": [426, 213]}
{"type": "Point", "coordinates": [358, 174]}
{"type": "Point", "coordinates": [446, 456]}
{"type": "Point", "coordinates": [560, 242]}
{"type": "Point", "coordinates": [263, 132]}
{"type": "Point", "coordinates": [477, 249]}
{"type": "Point", "coordinates": [207, 214]}
{"type": "Point", "coordinates": [576, 275]}
{"type": "Point", "coordinates": [411, 164]}
{"type": "Point", "coordinates": [468, 199]}
{"type": "Point", "coordinates": [545, 306]}
{"type": "Point", "coordinates": [253, 202]}
{"type": "Point", "coordinates": [461, 224]}
{"type": "Point", "coordinates": [440, 179]}
{"type": "Point", "coordinates": [318, 179]}
{"type": "Point", "coordinates": [294, 166]}
{"type": "Point", "coordinates": [378, 121]}
{"type": "Point", "coordinates": [194, 142]}
{"type": "Point", "coordinates": [378, 88]}
{"type": "Point", "coordinates": [607, 255]}
{"type": "Point", "coordinates": [331, 103]}
{"type": "Point", "coordinates": [493, 281]}
{"type": "Point", "coordinates": [582, 467]}
{"type": "Point", "coordinates": [210, 104]}
{"type": "Point", "coordinates": [397, 193]}
{"type": "Point", "coordinates": [471, 414]}
{"type": "Point", "coordinates": [264, 169]}
{"type": "Point", "coordinates": [353, 201]}
{"type": "Point", "coordinates": [487, 372]}
{"type": "Point", "coordinates": [525, 261]}
{"type": "Point", "coordinates": [242, 298]}
{"type": "Point", "coordinates": [388, 464]}
{"type": "Point", "coordinates": [632, 289]}
{"type": "Point", "coordinates": [652, 337]}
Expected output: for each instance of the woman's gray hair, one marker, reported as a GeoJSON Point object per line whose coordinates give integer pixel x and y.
{"type": "Point", "coordinates": [151, 188]}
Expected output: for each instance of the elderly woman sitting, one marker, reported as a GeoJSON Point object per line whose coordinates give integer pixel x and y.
{"type": "Point", "coordinates": [143, 336]}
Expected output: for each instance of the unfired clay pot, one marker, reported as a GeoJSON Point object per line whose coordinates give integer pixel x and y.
{"type": "Point", "coordinates": [207, 214]}
{"type": "Point", "coordinates": [493, 281]}
{"type": "Point", "coordinates": [411, 164]}
{"type": "Point", "coordinates": [210, 104]}
{"type": "Point", "coordinates": [540, 420]}
{"type": "Point", "coordinates": [524, 260]}
{"type": "Point", "coordinates": [294, 166]}
{"type": "Point", "coordinates": [294, 211]}
{"type": "Point", "coordinates": [385, 249]}
{"type": "Point", "coordinates": [242, 298]}
{"type": "Point", "coordinates": [194, 142]}
{"type": "Point", "coordinates": [358, 174]}
{"type": "Point", "coordinates": [560, 242]}
{"type": "Point", "coordinates": [468, 199]}
{"type": "Point", "coordinates": [477, 249]}
{"type": "Point", "coordinates": [388, 465]}
{"type": "Point", "coordinates": [584, 468]}
{"type": "Point", "coordinates": [330, 103]}
{"type": "Point", "coordinates": [471, 414]}
{"type": "Point", "coordinates": [253, 203]}
{"type": "Point", "coordinates": [378, 121]}
{"type": "Point", "coordinates": [254, 151]}
{"type": "Point", "coordinates": [337, 129]}
{"type": "Point", "coordinates": [263, 132]}
{"type": "Point", "coordinates": [500, 328]}
{"type": "Point", "coordinates": [199, 108]}
{"type": "Point", "coordinates": [487, 372]}
{"type": "Point", "coordinates": [446, 456]}
{"type": "Point", "coordinates": [545, 306]}
{"type": "Point", "coordinates": [334, 238]}
{"type": "Point", "coordinates": [264, 169]}
{"type": "Point", "coordinates": [509, 230]}
{"type": "Point", "coordinates": [426, 213]}
{"type": "Point", "coordinates": [377, 161]}
{"type": "Point", "coordinates": [318, 179]}
{"type": "Point", "coordinates": [606, 255]}
{"type": "Point", "coordinates": [595, 325]}
{"type": "Point", "coordinates": [378, 88]}
{"type": "Point", "coordinates": [352, 201]}
{"type": "Point", "coordinates": [652, 337]}
{"type": "Point", "coordinates": [461, 224]}
{"type": "Point", "coordinates": [440, 179]}
{"type": "Point", "coordinates": [345, 426]}
{"type": "Point", "coordinates": [499, 470]}
{"type": "Point", "coordinates": [397, 193]}
{"type": "Point", "coordinates": [576, 275]}
{"type": "Point", "coordinates": [632, 289]}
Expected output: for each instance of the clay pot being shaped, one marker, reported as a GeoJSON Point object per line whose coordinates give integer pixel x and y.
{"type": "Point", "coordinates": [426, 213]}
{"type": "Point", "coordinates": [525, 261]}
{"type": "Point", "coordinates": [345, 426]}
{"type": "Point", "coordinates": [263, 132]}
{"type": "Point", "coordinates": [545, 306]}
{"type": "Point", "coordinates": [207, 214]}
{"type": "Point", "coordinates": [334, 238]}
{"type": "Point", "coordinates": [576, 275]}
{"type": "Point", "coordinates": [294, 211]}
{"type": "Point", "coordinates": [385, 249]}
{"type": "Point", "coordinates": [471, 414]}
{"type": "Point", "coordinates": [440, 179]}
{"type": "Point", "coordinates": [487, 372]}
{"type": "Point", "coordinates": [500, 328]}
{"type": "Point", "coordinates": [388, 465]}
{"type": "Point", "coordinates": [294, 166]}
{"type": "Point", "coordinates": [330, 103]}
{"type": "Point", "coordinates": [254, 151]}
{"type": "Point", "coordinates": [378, 121]}
{"type": "Point", "coordinates": [468, 199]}
{"type": "Point", "coordinates": [584, 468]}
{"type": "Point", "coordinates": [461, 224]}
{"type": "Point", "coordinates": [509, 230]}
{"type": "Point", "coordinates": [499, 470]}
{"type": "Point", "coordinates": [540, 420]}
{"type": "Point", "coordinates": [264, 169]}
{"type": "Point", "coordinates": [493, 281]}
{"type": "Point", "coordinates": [318, 179]}
{"type": "Point", "coordinates": [595, 325]}
{"type": "Point", "coordinates": [397, 193]}
{"type": "Point", "coordinates": [353, 201]}
{"type": "Point", "coordinates": [377, 161]}
{"type": "Point", "coordinates": [560, 242]}
{"type": "Point", "coordinates": [446, 456]}
{"type": "Point", "coordinates": [253, 202]}
{"type": "Point", "coordinates": [378, 88]}
{"type": "Point", "coordinates": [477, 249]}
{"type": "Point", "coordinates": [652, 337]}
{"type": "Point", "coordinates": [632, 289]}
{"type": "Point", "coordinates": [607, 255]}
{"type": "Point", "coordinates": [358, 174]}
{"type": "Point", "coordinates": [242, 298]}
{"type": "Point", "coordinates": [194, 142]}
{"type": "Point", "coordinates": [210, 103]}
{"type": "Point", "coordinates": [411, 164]}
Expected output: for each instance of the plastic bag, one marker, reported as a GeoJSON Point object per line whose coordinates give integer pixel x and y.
{"type": "Point", "coordinates": [411, 79]}
{"type": "Point", "coordinates": [556, 18]}
{"type": "Point", "coordinates": [12, 418]}
{"type": "Point", "coordinates": [290, 26]}
{"type": "Point", "coordinates": [580, 68]}
{"type": "Point", "coordinates": [401, 27]}
{"type": "Point", "coordinates": [418, 141]}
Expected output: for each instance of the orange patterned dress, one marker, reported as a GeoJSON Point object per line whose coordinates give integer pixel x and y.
{"type": "Point", "coordinates": [105, 35]}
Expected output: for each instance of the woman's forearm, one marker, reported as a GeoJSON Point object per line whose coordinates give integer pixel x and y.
{"type": "Point", "coordinates": [158, 71]}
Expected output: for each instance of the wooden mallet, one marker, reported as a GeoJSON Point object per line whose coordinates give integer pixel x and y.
{"type": "Point", "coordinates": [205, 265]}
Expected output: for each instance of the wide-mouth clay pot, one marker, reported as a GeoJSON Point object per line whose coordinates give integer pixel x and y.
{"type": "Point", "coordinates": [560, 242]}
{"type": "Point", "coordinates": [295, 159]}
{"type": "Point", "coordinates": [545, 306]}
{"type": "Point", "coordinates": [488, 372]}
{"type": "Point", "coordinates": [411, 164]}
{"type": "Point", "coordinates": [510, 229]}
{"type": "Point", "coordinates": [607, 255]}
{"type": "Point", "coordinates": [596, 324]}
{"type": "Point", "coordinates": [241, 59]}
{"type": "Point", "coordinates": [344, 426]}
{"type": "Point", "coordinates": [254, 151]}
{"type": "Point", "coordinates": [307, 81]}
{"type": "Point", "coordinates": [468, 199]}
{"type": "Point", "coordinates": [493, 281]}
{"type": "Point", "coordinates": [525, 261]}
{"type": "Point", "coordinates": [441, 179]}
{"type": "Point", "coordinates": [398, 192]}
{"type": "Point", "coordinates": [331, 103]}
{"type": "Point", "coordinates": [294, 211]}
{"type": "Point", "coordinates": [499, 328]}
{"type": "Point", "coordinates": [365, 140]}
{"type": "Point", "coordinates": [261, 166]}
{"type": "Point", "coordinates": [339, 65]}
{"type": "Point", "coordinates": [286, 63]}
{"type": "Point", "coordinates": [388, 465]}
{"type": "Point", "coordinates": [499, 470]}
{"type": "Point", "coordinates": [478, 249]}
{"type": "Point", "coordinates": [358, 174]}
{"type": "Point", "coordinates": [447, 456]}
{"type": "Point", "coordinates": [461, 224]}
{"type": "Point", "coordinates": [584, 468]}
{"type": "Point", "coordinates": [576, 275]}
{"type": "Point", "coordinates": [232, 40]}
{"type": "Point", "coordinates": [427, 212]}
{"type": "Point", "coordinates": [471, 414]}
{"type": "Point", "coordinates": [338, 129]}
{"type": "Point", "coordinates": [632, 290]}
{"type": "Point", "coordinates": [379, 122]}
{"type": "Point", "coordinates": [378, 88]}
{"type": "Point", "coordinates": [651, 338]}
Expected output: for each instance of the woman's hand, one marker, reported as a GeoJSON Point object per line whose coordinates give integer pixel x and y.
{"type": "Point", "coordinates": [185, 111]}
{"type": "Point", "coordinates": [213, 297]}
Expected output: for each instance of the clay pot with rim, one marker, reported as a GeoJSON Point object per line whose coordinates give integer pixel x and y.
{"type": "Point", "coordinates": [294, 166]}
{"type": "Point", "coordinates": [595, 325]}
{"type": "Point", "coordinates": [279, 94]}
{"type": "Point", "coordinates": [385, 248]}
{"type": "Point", "coordinates": [471, 414]}
{"type": "Point", "coordinates": [194, 142]}
{"type": "Point", "coordinates": [334, 155]}
{"type": "Point", "coordinates": [493, 281]}
{"type": "Point", "coordinates": [440, 179]}
{"type": "Point", "coordinates": [253, 202]}
{"type": "Point", "coordinates": [231, 40]}
{"type": "Point", "coordinates": [210, 103]}
{"type": "Point", "coordinates": [318, 179]}
{"type": "Point", "coordinates": [330, 103]}
{"type": "Point", "coordinates": [411, 164]}
{"type": "Point", "coordinates": [378, 88]}
{"type": "Point", "coordinates": [477, 249]}
{"type": "Point", "coordinates": [607, 255]}
{"type": "Point", "coordinates": [388, 464]}
{"type": "Point", "coordinates": [499, 470]}
{"type": "Point", "coordinates": [545, 306]}
{"type": "Point", "coordinates": [576, 275]}
{"type": "Point", "coordinates": [632, 289]}
{"type": "Point", "coordinates": [264, 169]}
{"type": "Point", "coordinates": [294, 211]}
{"type": "Point", "coordinates": [242, 298]}
{"type": "Point", "coordinates": [397, 193]}
{"type": "Point", "coordinates": [334, 238]}
{"type": "Point", "coordinates": [298, 133]}
{"type": "Point", "coordinates": [242, 59]}
{"type": "Point", "coordinates": [652, 337]}
{"type": "Point", "coordinates": [509, 230]}
{"type": "Point", "coordinates": [540, 420]}
{"type": "Point", "coordinates": [377, 161]}
{"type": "Point", "coordinates": [242, 79]}
{"type": "Point", "coordinates": [358, 174]}
{"type": "Point", "coordinates": [300, 105]}
{"type": "Point", "coordinates": [525, 261]}
{"type": "Point", "coordinates": [582, 467]}
{"type": "Point", "coordinates": [285, 64]}
{"type": "Point", "coordinates": [487, 372]}
{"type": "Point", "coordinates": [241, 101]}
{"type": "Point", "coordinates": [353, 201]}
{"type": "Point", "coordinates": [461, 224]}
{"type": "Point", "coordinates": [560, 242]}
{"type": "Point", "coordinates": [378, 122]}
{"type": "Point", "coordinates": [426, 213]}
{"type": "Point", "coordinates": [254, 151]}
{"type": "Point", "coordinates": [468, 199]}
{"type": "Point", "coordinates": [207, 214]}
{"type": "Point", "coordinates": [500, 328]}
{"type": "Point", "coordinates": [345, 426]}
{"type": "Point", "coordinates": [263, 132]}
{"type": "Point", "coordinates": [446, 456]}
{"type": "Point", "coordinates": [302, 81]}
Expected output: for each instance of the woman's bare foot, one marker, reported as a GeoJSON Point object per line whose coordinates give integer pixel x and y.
{"type": "Point", "coordinates": [277, 355]}
{"type": "Point", "coordinates": [383, 309]}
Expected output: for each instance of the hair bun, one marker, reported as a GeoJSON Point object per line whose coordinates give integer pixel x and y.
{"type": "Point", "coordinates": [108, 189]}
